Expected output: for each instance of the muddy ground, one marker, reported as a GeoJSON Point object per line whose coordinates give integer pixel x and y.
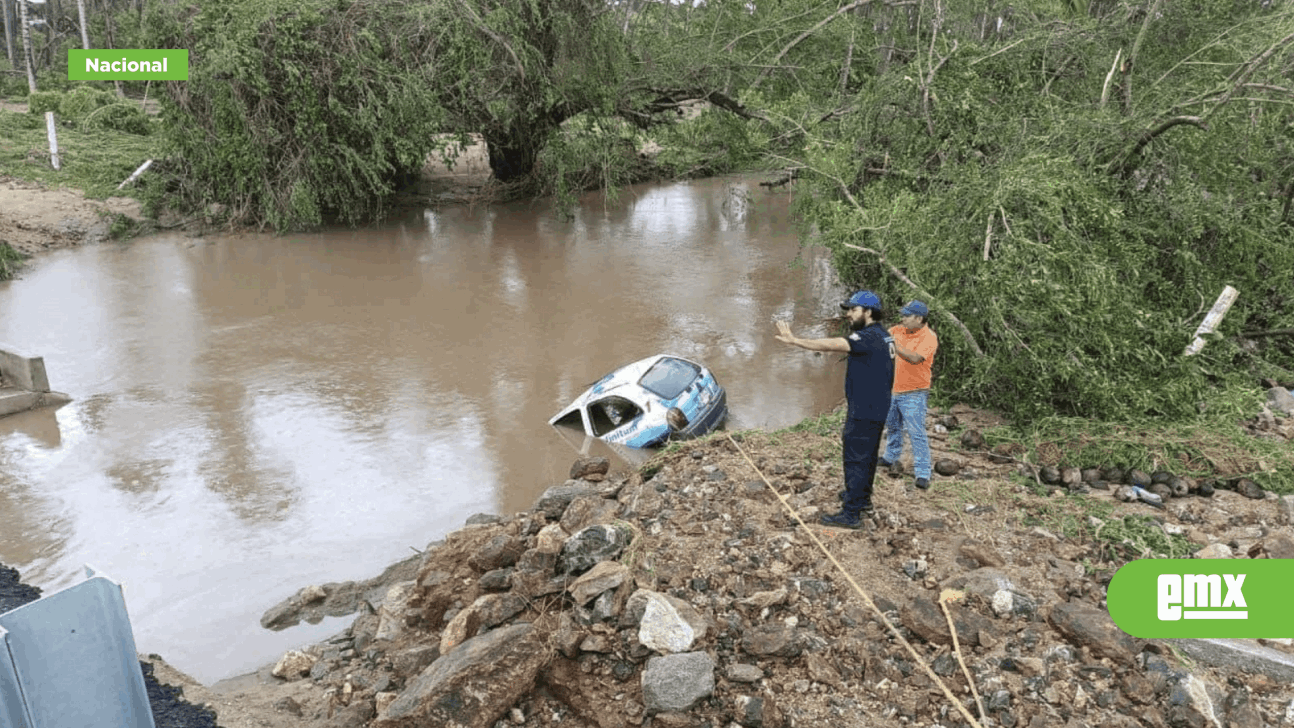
{"type": "Point", "coordinates": [35, 218]}
{"type": "Point", "coordinates": [791, 642]}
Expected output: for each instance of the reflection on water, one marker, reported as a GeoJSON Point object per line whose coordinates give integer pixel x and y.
{"type": "Point", "coordinates": [252, 414]}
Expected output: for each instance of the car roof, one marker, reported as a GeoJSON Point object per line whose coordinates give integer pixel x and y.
{"type": "Point", "coordinates": [622, 381]}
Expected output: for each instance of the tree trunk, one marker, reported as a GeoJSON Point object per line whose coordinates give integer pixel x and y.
{"type": "Point", "coordinates": [112, 43]}
{"type": "Point", "coordinates": [26, 44]}
{"type": "Point", "coordinates": [8, 32]}
{"type": "Point", "coordinates": [85, 33]}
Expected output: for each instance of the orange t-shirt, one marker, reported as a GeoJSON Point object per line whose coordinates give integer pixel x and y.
{"type": "Point", "coordinates": [911, 377]}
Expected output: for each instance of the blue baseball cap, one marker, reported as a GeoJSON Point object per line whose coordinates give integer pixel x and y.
{"type": "Point", "coordinates": [915, 308]}
{"type": "Point", "coordinates": [866, 299]}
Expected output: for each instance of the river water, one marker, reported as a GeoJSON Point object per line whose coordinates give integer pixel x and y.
{"type": "Point", "coordinates": [252, 413]}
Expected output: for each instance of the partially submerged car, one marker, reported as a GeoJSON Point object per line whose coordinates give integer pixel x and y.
{"type": "Point", "coordinates": [649, 403]}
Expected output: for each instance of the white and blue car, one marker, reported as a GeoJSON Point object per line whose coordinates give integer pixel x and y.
{"type": "Point", "coordinates": [648, 403]}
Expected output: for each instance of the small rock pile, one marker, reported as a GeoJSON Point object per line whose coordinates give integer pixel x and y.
{"type": "Point", "coordinates": [691, 598]}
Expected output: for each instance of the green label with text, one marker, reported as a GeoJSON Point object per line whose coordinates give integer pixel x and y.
{"type": "Point", "coordinates": [127, 65]}
{"type": "Point", "coordinates": [1235, 598]}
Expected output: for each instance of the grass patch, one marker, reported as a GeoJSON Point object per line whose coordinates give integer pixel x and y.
{"type": "Point", "coordinates": [10, 261]}
{"type": "Point", "coordinates": [93, 160]}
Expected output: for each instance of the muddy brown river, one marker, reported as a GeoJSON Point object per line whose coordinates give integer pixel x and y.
{"type": "Point", "coordinates": [252, 414]}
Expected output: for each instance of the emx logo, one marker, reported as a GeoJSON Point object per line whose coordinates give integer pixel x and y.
{"type": "Point", "coordinates": [1157, 598]}
{"type": "Point", "coordinates": [1202, 596]}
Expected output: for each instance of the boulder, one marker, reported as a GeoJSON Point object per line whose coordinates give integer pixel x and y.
{"type": "Point", "coordinates": [590, 546]}
{"type": "Point", "coordinates": [1086, 626]}
{"type": "Point", "coordinates": [584, 467]}
{"type": "Point", "coordinates": [499, 552]}
{"type": "Point", "coordinates": [474, 685]}
{"type": "Point", "coordinates": [947, 467]}
{"type": "Point", "coordinates": [926, 620]}
{"type": "Point", "coordinates": [602, 577]}
{"type": "Point", "coordinates": [391, 615]}
{"type": "Point", "coordinates": [973, 440]}
{"type": "Point", "coordinates": [554, 500]}
{"type": "Point", "coordinates": [1215, 551]}
{"type": "Point", "coordinates": [550, 538]}
{"type": "Point", "coordinates": [676, 683]}
{"type": "Point", "coordinates": [588, 510]}
{"type": "Point", "coordinates": [1279, 398]}
{"type": "Point", "coordinates": [293, 665]}
{"type": "Point", "coordinates": [662, 628]}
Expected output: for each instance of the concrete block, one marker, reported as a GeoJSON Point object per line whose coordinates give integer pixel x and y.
{"type": "Point", "coordinates": [23, 372]}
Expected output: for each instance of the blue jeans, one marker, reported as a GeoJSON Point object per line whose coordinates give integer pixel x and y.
{"type": "Point", "coordinates": [861, 441]}
{"type": "Point", "coordinates": [908, 414]}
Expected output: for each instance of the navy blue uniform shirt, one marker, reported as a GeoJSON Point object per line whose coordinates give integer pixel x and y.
{"type": "Point", "coordinates": [870, 375]}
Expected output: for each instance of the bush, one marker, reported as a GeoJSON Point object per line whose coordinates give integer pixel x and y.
{"type": "Point", "coordinates": [81, 101]}
{"type": "Point", "coordinates": [38, 102]}
{"type": "Point", "coordinates": [10, 259]}
{"type": "Point", "coordinates": [126, 118]}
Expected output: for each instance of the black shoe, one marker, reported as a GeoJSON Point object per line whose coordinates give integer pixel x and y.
{"type": "Point", "coordinates": [923, 483]}
{"type": "Point", "coordinates": [844, 520]}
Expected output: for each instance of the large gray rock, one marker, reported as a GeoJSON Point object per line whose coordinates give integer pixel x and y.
{"type": "Point", "coordinates": [474, 685]}
{"type": "Point", "coordinates": [588, 510]}
{"type": "Point", "coordinates": [497, 553]}
{"type": "Point", "coordinates": [1086, 626]}
{"type": "Point", "coordinates": [675, 683]}
{"type": "Point", "coordinates": [590, 546]}
{"type": "Point", "coordinates": [554, 500]}
{"type": "Point", "coordinates": [926, 620]}
{"type": "Point", "coordinates": [605, 575]}
{"type": "Point", "coordinates": [1279, 398]}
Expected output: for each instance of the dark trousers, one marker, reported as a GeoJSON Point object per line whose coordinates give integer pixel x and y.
{"type": "Point", "coordinates": [861, 441]}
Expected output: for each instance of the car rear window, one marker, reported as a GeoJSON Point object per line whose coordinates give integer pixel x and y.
{"type": "Point", "coordinates": [669, 377]}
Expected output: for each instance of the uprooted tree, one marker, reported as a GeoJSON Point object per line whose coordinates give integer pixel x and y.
{"type": "Point", "coordinates": [1069, 184]}
{"type": "Point", "coordinates": [298, 110]}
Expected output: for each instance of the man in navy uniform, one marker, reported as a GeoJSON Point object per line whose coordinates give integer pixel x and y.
{"type": "Point", "coordinates": [868, 381]}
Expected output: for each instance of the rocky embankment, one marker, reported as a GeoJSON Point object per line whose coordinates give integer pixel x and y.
{"type": "Point", "coordinates": [687, 596]}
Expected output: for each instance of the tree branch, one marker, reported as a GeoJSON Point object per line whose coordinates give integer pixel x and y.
{"type": "Point", "coordinates": [899, 274]}
{"type": "Point", "coordinates": [1243, 74]}
{"type": "Point", "coordinates": [1149, 136]}
{"type": "Point", "coordinates": [480, 25]}
{"type": "Point", "coordinates": [787, 49]}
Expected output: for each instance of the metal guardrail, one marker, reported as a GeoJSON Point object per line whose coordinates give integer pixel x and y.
{"type": "Point", "coordinates": [68, 660]}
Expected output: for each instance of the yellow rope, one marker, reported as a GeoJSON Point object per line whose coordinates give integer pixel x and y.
{"type": "Point", "coordinates": [866, 599]}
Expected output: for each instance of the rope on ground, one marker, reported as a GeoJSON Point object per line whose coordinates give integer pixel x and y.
{"type": "Point", "coordinates": [952, 595]}
{"type": "Point", "coordinates": [867, 600]}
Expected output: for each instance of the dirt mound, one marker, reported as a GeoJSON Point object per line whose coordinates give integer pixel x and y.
{"type": "Point", "coordinates": [781, 637]}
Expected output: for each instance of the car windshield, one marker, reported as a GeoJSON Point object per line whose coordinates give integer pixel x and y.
{"type": "Point", "coordinates": [669, 377]}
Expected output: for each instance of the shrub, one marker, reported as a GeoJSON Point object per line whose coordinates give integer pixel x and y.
{"type": "Point", "coordinates": [126, 118]}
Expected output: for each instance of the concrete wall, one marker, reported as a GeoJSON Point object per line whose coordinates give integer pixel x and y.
{"type": "Point", "coordinates": [471, 163]}
{"type": "Point", "coordinates": [23, 372]}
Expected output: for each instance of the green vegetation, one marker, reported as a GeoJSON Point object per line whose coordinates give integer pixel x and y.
{"type": "Point", "coordinates": [94, 159]}
{"type": "Point", "coordinates": [10, 260]}
{"type": "Point", "coordinates": [1069, 185]}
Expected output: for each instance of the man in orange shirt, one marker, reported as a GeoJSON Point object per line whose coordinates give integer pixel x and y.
{"type": "Point", "coordinates": [915, 344]}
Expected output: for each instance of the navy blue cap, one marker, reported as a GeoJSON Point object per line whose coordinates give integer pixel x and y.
{"type": "Point", "coordinates": [866, 299]}
{"type": "Point", "coordinates": [915, 308]}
